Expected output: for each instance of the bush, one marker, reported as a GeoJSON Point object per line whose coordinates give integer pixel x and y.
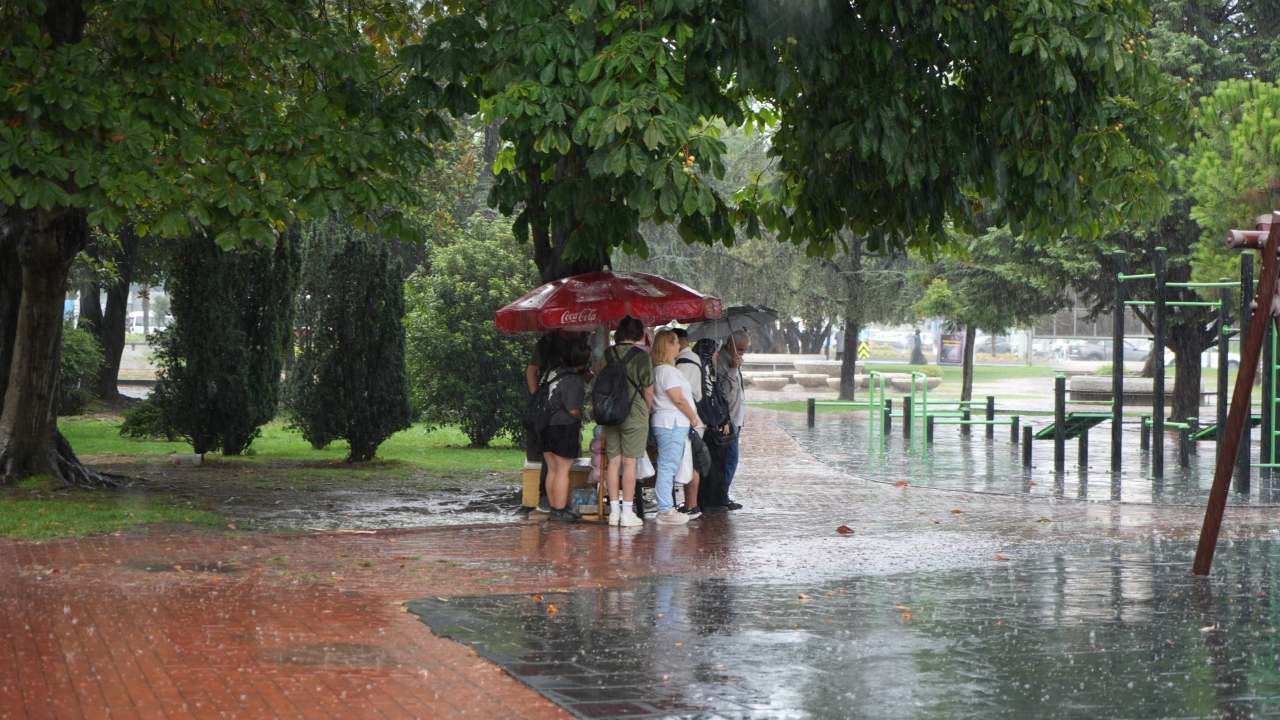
{"type": "Point", "coordinates": [220, 361]}
{"type": "Point", "coordinates": [462, 370]}
{"type": "Point", "coordinates": [146, 421]}
{"type": "Point", "coordinates": [349, 379]}
{"type": "Point", "coordinates": [79, 363]}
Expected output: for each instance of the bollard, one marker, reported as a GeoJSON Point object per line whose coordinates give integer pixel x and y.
{"type": "Point", "coordinates": [1184, 445]}
{"type": "Point", "coordinates": [928, 429]}
{"type": "Point", "coordinates": [1026, 446]}
{"type": "Point", "coordinates": [1144, 438]}
{"type": "Point", "coordinates": [991, 416]}
{"type": "Point", "coordinates": [965, 428]}
{"type": "Point", "coordinates": [811, 409]}
{"type": "Point", "coordinates": [1082, 450]}
{"type": "Point", "coordinates": [906, 417]}
{"type": "Point", "coordinates": [1013, 429]}
{"type": "Point", "coordinates": [1059, 422]}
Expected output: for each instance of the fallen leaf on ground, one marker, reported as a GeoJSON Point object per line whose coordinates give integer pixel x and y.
{"type": "Point", "coordinates": [552, 609]}
{"type": "Point", "coordinates": [844, 530]}
{"type": "Point", "coordinates": [906, 616]}
{"type": "Point", "coordinates": [900, 484]}
{"type": "Point", "coordinates": [803, 597]}
{"type": "Point", "coordinates": [1000, 557]}
{"type": "Point", "coordinates": [956, 511]}
{"type": "Point", "coordinates": [1044, 520]}
{"type": "Point", "coordinates": [536, 598]}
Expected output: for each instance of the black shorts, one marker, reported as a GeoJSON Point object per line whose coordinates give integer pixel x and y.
{"type": "Point", "coordinates": [563, 440]}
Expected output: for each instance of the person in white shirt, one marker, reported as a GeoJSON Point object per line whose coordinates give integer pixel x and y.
{"type": "Point", "coordinates": [673, 417]}
{"type": "Point", "coordinates": [690, 365]}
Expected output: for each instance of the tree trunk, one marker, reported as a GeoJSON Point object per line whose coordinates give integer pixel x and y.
{"type": "Point", "coordinates": [44, 244]}
{"type": "Point", "coordinates": [1185, 342]}
{"type": "Point", "coordinates": [852, 321]}
{"type": "Point", "coordinates": [917, 350]}
{"type": "Point", "coordinates": [90, 308]}
{"type": "Point", "coordinates": [849, 365]}
{"type": "Point", "coordinates": [111, 325]}
{"type": "Point", "coordinates": [551, 235]}
{"type": "Point", "coordinates": [144, 294]}
{"type": "Point", "coordinates": [1149, 365]}
{"type": "Point", "coordinates": [966, 384]}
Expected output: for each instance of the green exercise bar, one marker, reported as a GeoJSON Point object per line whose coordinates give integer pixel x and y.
{"type": "Point", "coordinates": [1176, 303]}
{"type": "Point", "coordinates": [1141, 276]}
{"type": "Point", "coordinates": [1223, 284]}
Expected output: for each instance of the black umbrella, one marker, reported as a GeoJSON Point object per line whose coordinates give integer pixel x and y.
{"type": "Point", "coordinates": [757, 320]}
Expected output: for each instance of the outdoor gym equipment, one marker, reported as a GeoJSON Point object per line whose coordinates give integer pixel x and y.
{"type": "Point", "coordinates": [1266, 238]}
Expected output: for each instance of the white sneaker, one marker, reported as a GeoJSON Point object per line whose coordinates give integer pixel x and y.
{"type": "Point", "coordinates": [615, 514]}
{"type": "Point", "coordinates": [672, 517]}
{"type": "Point", "coordinates": [629, 518]}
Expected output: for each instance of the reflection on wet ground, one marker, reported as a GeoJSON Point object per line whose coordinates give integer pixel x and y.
{"type": "Point", "coordinates": [1104, 630]}
{"type": "Point", "coordinates": [371, 510]}
{"type": "Point", "coordinates": [975, 464]}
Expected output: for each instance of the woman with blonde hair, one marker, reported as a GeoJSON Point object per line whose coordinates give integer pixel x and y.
{"type": "Point", "coordinates": [673, 417]}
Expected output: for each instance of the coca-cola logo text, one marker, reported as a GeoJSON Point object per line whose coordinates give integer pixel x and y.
{"type": "Point", "coordinates": [586, 316]}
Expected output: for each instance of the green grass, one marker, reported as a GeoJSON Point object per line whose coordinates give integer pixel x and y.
{"type": "Point", "coordinates": [442, 451]}
{"type": "Point", "coordinates": [28, 512]}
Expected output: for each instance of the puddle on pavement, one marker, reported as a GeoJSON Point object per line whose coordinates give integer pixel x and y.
{"type": "Point", "coordinates": [975, 464]}
{"type": "Point", "coordinates": [1105, 630]}
{"type": "Point", "coordinates": [356, 509]}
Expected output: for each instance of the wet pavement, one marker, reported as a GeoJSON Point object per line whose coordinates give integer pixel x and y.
{"type": "Point", "coordinates": [852, 442]}
{"type": "Point", "coordinates": [829, 595]}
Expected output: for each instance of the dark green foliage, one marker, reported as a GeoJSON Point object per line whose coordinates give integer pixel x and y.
{"type": "Point", "coordinates": [146, 421]}
{"type": "Point", "coordinates": [77, 370]}
{"type": "Point", "coordinates": [462, 370]}
{"type": "Point", "coordinates": [220, 361]}
{"type": "Point", "coordinates": [349, 378]}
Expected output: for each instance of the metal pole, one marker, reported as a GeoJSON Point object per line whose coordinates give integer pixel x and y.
{"type": "Point", "coordinates": [1157, 410]}
{"type": "Point", "coordinates": [1013, 428]}
{"type": "Point", "coordinates": [1026, 446]}
{"type": "Point", "coordinates": [1224, 318]}
{"type": "Point", "coordinates": [928, 429]}
{"type": "Point", "coordinates": [1144, 437]}
{"type": "Point", "coordinates": [1250, 348]}
{"type": "Point", "coordinates": [906, 417]}
{"type": "Point", "coordinates": [1059, 421]}
{"type": "Point", "coordinates": [1243, 323]}
{"type": "Point", "coordinates": [811, 410]}
{"type": "Point", "coordinates": [1265, 452]}
{"type": "Point", "coordinates": [991, 416]}
{"type": "Point", "coordinates": [1117, 367]}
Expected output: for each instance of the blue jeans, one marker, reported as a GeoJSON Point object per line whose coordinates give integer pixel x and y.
{"type": "Point", "coordinates": [670, 452]}
{"type": "Point", "coordinates": [730, 464]}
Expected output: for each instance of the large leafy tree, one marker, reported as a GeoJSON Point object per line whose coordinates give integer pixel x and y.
{"type": "Point", "coordinates": [896, 116]}
{"type": "Point", "coordinates": [1200, 44]}
{"type": "Point", "coordinates": [235, 116]}
{"type": "Point", "coordinates": [606, 115]}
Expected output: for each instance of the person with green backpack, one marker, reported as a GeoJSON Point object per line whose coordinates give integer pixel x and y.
{"type": "Point", "coordinates": [621, 397]}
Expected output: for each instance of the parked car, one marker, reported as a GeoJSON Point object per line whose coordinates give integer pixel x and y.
{"type": "Point", "coordinates": [1088, 350]}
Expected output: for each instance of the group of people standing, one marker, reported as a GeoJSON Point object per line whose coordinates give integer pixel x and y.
{"type": "Point", "coordinates": [685, 401]}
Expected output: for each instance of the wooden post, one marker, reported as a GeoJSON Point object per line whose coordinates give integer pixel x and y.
{"type": "Point", "coordinates": [1082, 450]}
{"type": "Point", "coordinates": [1266, 450]}
{"type": "Point", "coordinates": [1027, 438]}
{"type": "Point", "coordinates": [1157, 390]}
{"type": "Point", "coordinates": [1059, 422]}
{"type": "Point", "coordinates": [1117, 367]}
{"type": "Point", "coordinates": [1250, 349]}
{"type": "Point", "coordinates": [928, 429]}
{"type": "Point", "coordinates": [906, 417]}
{"type": "Point", "coordinates": [811, 411]}
{"type": "Point", "coordinates": [1144, 435]}
{"type": "Point", "coordinates": [991, 416]}
{"type": "Point", "coordinates": [1014, 420]}
{"type": "Point", "coordinates": [888, 416]}
{"type": "Point", "coordinates": [965, 416]}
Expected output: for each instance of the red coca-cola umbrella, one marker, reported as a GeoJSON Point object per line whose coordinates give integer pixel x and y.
{"type": "Point", "coordinates": [587, 301]}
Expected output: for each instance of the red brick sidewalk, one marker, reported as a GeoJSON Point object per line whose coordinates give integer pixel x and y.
{"type": "Point", "coordinates": [183, 623]}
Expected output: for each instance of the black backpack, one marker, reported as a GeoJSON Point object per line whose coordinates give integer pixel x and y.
{"type": "Point", "coordinates": [613, 392]}
{"type": "Point", "coordinates": [537, 412]}
{"type": "Point", "coordinates": [713, 408]}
